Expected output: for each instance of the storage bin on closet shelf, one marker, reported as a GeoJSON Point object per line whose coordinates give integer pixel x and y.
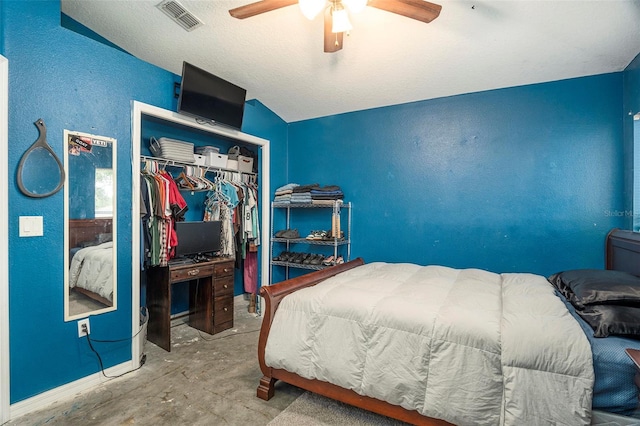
{"type": "Point", "coordinates": [200, 160]}
{"type": "Point", "coordinates": [236, 161]}
{"type": "Point", "coordinates": [242, 164]}
{"type": "Point", "coordinates": [212, 156]}
{"type": "Point", "coordinates": [216, 160]}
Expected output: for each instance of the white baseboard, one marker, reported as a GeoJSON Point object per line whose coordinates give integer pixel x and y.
{"type": "Point", "coordinates": [67, 391]}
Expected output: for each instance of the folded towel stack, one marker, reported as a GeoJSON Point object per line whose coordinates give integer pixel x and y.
{"type": "Point", "coordinates": [308, 194]}
{"type": "Point", "coordinates": [302, 193]}
{"type": "Point", "coordinates": [283, 194]}
{"type": "Point", "coordinates": [327, 194]}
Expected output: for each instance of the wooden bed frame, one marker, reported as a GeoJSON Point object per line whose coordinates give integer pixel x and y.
{"type": "Point", "coordinates": [622, 253]}
{"type": "Point", "coordinates": [85, 230]}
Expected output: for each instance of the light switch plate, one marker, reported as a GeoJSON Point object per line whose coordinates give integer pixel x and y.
{"type": "Point", "coordinates": [31, 226]}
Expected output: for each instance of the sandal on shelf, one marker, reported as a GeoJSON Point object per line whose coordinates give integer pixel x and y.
{"type": "Point", "coordinates": [328, 261]}
{"type": "Point", "coordinates": [317, 260]}
{"type": "Point", "coordinates": [316, 235]}
{"type": "Point", "coordinates": [339, 260]}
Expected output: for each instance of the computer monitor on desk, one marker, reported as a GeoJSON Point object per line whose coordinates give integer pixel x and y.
{"type": "Point", "coordinates": [198, 241]}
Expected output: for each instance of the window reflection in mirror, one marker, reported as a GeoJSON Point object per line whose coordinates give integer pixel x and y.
{"type": "Point", "coordinates": [104, 192]}
{"type": "Point", "coordinates": [90, 225]}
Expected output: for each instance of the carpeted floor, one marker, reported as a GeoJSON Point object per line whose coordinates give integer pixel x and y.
{"type": "Point", "coordinates": [314, 410]}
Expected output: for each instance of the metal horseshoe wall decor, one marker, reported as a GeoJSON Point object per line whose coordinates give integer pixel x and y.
{"type": "Point", "coordinates": [38, 165]}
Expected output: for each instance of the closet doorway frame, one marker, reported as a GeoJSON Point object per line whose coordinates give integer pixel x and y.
{"type": "Point", "coordinates": [5, 399]}
{"type": "Point", "coordinates": [138, 110]}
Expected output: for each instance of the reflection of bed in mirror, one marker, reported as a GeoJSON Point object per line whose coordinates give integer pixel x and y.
{"type": "Point", "coordinates": [90, 264]}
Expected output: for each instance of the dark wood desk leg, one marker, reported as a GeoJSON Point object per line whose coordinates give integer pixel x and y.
{"type": "Point", "coordinates": [159, 306]}
{"type": "Point", "coordinates": [201, 304]}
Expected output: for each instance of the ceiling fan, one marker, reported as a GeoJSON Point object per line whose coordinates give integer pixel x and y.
{"type": "Point", "coordinates": [336, 20]}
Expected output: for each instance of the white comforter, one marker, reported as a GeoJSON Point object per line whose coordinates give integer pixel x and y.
{"type": "Point", "coordinates": [467, 346]}
{"type": "Point", "coordinates": [92, 269]}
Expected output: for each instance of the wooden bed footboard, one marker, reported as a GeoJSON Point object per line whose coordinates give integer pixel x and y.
{"type": "Point", "coordinates": [273, 295]}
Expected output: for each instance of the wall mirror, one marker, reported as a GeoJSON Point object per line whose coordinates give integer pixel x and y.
{"type": "Point", "coordinates": [90, 225]}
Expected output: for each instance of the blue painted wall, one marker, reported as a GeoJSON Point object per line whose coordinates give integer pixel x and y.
{"type": "Point", "coordinates": [520, 179]}
{"type": "Point", "coordinates": [631, 107]}
{"type": "Point", "coordinates": [76, 83]}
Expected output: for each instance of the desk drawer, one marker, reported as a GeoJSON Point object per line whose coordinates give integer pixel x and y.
{"type": "Point", "coordinates": [224, 269]}
{"type": "Point", "coordinates": [223, 287]}
{"type": "Point", "coordinates": [222, 310]}
{"type": "Point", "coordinates": [191, 272]}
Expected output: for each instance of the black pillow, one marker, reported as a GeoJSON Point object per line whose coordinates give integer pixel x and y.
{"type": "Point", "coordinates": [584, 287]}
{"type": "Point", "coordinates": [609, 320]}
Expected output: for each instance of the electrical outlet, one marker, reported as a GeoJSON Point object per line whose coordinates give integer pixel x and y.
{"type": "Point", "coordinates": [82, 324]}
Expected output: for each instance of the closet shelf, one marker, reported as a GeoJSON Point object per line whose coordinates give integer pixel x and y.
{"type": "Point", "coordinates": [342, 205]}
{"type": "Point", "coordinates": [314, 242]}
{"type": "Point", "coordinates": [169, 162]}
{"type": "Point", "coordinates": [299, 265]}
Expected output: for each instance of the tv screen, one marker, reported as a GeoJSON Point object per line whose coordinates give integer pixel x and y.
{"type": "Point", "coordinates": [197, 238]}
{"type": "Point", "coordinates": [203, 95]}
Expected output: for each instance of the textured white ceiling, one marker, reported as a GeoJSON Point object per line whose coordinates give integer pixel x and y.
{"type": "Point", "coordinates": [387, 59]}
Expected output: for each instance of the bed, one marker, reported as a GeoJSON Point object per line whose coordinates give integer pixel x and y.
{"type": "Point", "coordinates": [370, 336]}
{"type": "Point", "coordinates": [91, 259]}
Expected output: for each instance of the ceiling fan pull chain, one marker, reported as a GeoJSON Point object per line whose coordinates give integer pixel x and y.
{"type": "Point", "coordinates": [337, 44]}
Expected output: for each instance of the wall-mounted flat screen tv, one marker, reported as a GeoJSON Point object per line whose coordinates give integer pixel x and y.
{"type": "Point", "coordinates": [197, 239]}
{"type": "Point", "coordinates": [206, 96]}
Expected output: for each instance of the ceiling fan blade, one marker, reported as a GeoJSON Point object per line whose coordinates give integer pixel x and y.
{"type": "Point", "coordinates": [332, 41]}
{"type": "Point", "coordinates": [259, 7]}
{"type": "Point", "coordinates": [415, 9]}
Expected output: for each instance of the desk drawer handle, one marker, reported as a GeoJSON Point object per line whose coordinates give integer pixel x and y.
{"type": "Point", "coordinates": [225, 309]}
{"type": "Point", "coordinates": [226, 270]}
{"type": "Point", "coordinates": [225, 286]}
{"type": "Point", "coordinates": [193, 272]}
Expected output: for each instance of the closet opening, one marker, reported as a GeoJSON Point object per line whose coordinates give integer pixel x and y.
{"type": "Point", "coordinates": [209, 191]}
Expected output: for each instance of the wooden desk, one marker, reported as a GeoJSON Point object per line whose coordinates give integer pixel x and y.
{"type": "Point", "coordinates": [210, 298]}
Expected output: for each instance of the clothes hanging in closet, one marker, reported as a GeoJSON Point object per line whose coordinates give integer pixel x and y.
{"type": "Point", "coordinates": [219, 205]}
{"type": "Point", "coordinates": [163, 205]}
{"type": "Point", "coordinates": [235, 203]}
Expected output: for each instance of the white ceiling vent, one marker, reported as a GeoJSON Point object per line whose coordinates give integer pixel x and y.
{"type": "Point", "coordinates": [178, 13]}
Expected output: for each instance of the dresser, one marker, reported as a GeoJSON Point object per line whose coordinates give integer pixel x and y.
{"type": "Point", "coordinates": [210, 297]}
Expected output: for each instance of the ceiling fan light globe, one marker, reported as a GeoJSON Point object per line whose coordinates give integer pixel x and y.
{"type": "Point", "coordinates": [311, 8]}
{"type": "Point", "coordinates": [355, 6]}
{"type": "Point", "coordinates": [341, 21]}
